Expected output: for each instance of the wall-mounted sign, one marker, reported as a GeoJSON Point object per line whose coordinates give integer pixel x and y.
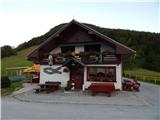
{"type": "Point", "coordinates": [50, 70]}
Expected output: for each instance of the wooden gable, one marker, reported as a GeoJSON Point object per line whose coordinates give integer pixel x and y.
{"type": "Point", "coordinates": [75, 32]}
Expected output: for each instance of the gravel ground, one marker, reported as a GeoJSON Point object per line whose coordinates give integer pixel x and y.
{"type": "Point", "coordinates": [60, 105]}
{"type": "Point", "coordinates": [148, 96]}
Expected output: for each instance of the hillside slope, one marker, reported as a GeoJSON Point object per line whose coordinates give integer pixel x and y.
{"type": "Point", "coordinates": [18, 60]}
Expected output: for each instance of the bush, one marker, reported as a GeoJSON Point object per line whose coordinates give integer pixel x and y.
{"type": "Point", "coordinates": [5, 82]}
{"type": "Point", "coordinates": [158, 82]}
{"type": "Point", "coordinates": [7, 51]}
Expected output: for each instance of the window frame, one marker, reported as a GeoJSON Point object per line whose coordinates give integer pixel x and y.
{"type": "Point", "coordinates": [106, 71]}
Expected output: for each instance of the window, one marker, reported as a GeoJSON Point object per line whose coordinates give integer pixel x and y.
{"type": "Point", "coordinates": [101, 74]}
{"type": "Point", "coordinates": [92, 48]}
{"type": "Point", "coordinates": [91, 74]}
{"type": "Point", "coordinates": [66, 49]}
{"type": "Point", "coordinates": [111, 74]}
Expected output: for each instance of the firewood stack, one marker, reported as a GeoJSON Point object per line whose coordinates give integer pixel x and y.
{"type": "Point", "coordinates": [129, 85]}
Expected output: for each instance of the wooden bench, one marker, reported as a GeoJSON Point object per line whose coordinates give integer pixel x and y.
{"type": "Point", "coordinates": [37, 90]}
{"type": "Point", "coordinates": [53, 82]}
{"type": "Point", "coordinates": [102, 87]}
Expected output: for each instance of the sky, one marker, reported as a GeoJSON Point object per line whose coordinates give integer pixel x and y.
{"type": "Point", "coordinates": [21, 20]}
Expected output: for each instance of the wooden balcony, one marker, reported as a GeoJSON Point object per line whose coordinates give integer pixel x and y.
{"type": "Point", "coordinates": [86, 58]}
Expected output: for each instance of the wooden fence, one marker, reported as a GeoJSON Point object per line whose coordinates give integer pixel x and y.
{"type": "Point", "coordinates": [16, 71]}
{"type": "Point", "coordinates": [144, 78]}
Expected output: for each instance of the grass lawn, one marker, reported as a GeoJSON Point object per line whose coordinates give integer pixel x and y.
{"type": "Point", "coordinates": [14, 86]}
{"type": "Point", "coordinates": [18, 60]}
{"type": "Point", "coordinates": [141, 71]}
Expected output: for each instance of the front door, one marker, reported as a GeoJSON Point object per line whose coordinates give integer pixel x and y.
{"type": "Point", "coordinates": [76, 77]}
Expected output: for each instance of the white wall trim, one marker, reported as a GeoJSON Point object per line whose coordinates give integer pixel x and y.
{"type": "Point", "coordinates": [118, 83]}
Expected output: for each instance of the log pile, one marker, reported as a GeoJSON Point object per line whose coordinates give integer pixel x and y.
{"type": "Point", "coordinates": [129, 85]}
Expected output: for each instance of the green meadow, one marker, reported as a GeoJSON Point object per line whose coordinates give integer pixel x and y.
{"type": "Point", "coordinates": [18, 60]}
{"type": "Point", "coordinates": [143, 75]}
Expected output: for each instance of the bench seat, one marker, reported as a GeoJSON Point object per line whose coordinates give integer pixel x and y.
{"type": "Point", "coordinates": [48, 87]}
{"type": "Point", "coordinates": [102, 87]}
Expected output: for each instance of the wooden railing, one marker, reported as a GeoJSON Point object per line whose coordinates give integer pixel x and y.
{"type": "Point", "coordinates": [87, 59]}
{"type": "Point", "coordinates": [144, 78]}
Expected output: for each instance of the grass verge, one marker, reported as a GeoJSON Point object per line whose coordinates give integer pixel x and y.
{"type": "Point", "coordinates": [18, 60]}
{"type": "Point", "coordinates": [14, 87]}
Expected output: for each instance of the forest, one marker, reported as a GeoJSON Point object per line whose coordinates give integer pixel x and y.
{"type": "Point", "coordinates": [146, 45]}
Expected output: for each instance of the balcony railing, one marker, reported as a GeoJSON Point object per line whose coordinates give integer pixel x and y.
{"type": "Point", "coordinates": [86, 58]}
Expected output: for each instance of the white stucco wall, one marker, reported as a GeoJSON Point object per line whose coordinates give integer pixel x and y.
{"type": "Point", "coordinates": [63, 78]}
{"type": "Point", "coordinates": [118, 83]}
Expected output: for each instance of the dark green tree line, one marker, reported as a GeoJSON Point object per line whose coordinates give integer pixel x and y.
{"type": "Point", "coordinates": [7, 51]}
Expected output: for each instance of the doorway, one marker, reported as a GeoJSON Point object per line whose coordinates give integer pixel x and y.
{"type": "Point", "coordinates": [76, 77]}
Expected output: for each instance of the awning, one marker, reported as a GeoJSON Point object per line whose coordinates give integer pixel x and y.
{"type": "Point", "coordinates": [33, 69]}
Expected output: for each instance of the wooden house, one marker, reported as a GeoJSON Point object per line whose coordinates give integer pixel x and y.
{"type": "Point", "coordinates": [80, 55]}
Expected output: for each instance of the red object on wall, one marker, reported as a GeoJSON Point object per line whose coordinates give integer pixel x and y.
{"type": "Point", "coordinates": [66, 69]}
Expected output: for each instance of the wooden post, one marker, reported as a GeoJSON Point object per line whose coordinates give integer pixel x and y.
{"type": "Point", "coordinates": [143, 78]}
{"type": "Point", "coordinates": [155, 80]}
{"type": "Point", "coordinates": [17, 72]}
{"type": "Point", "coordinates": [20, 72]}
{"type": "Point", "coordinates": [6, 72]}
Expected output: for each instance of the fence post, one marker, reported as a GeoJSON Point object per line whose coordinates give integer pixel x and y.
{"type": "Point", "coordinates": [155, 80]}
{"type": "Point", "coordinates": [6, 72]}
{"type": "Point", "coordinates": [143, 78]}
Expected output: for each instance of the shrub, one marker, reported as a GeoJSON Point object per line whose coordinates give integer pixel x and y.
{"type": "Point", "coordinates": [7, 51]}
{"type": "Point", "coordinates": [5, 82]}
{"type": "Point", "coordinates": [158, 82]}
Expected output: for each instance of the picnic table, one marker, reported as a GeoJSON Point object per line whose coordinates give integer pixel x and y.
{"type": "Point", "coordinates": [48, 87]}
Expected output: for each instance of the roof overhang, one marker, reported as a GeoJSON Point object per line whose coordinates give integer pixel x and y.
{"type": "Point", "coordinates": [120, 48]}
